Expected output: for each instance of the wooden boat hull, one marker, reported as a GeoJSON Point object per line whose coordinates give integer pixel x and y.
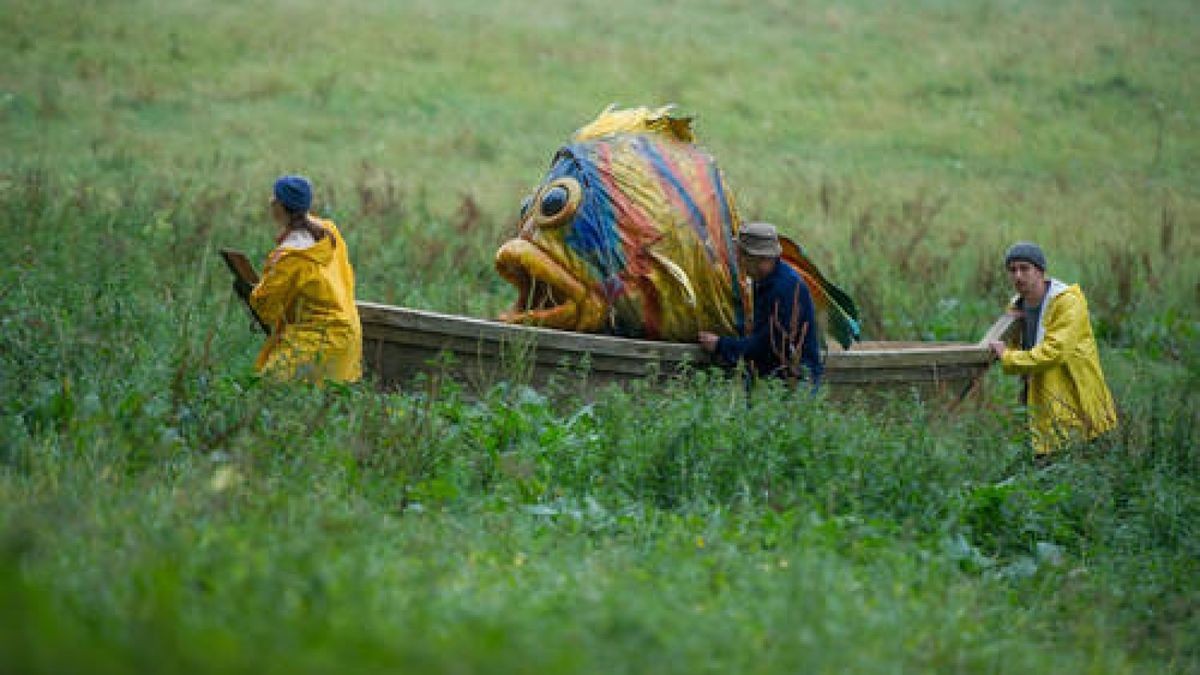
{"type": "Point", "coordinates": [400, 344]}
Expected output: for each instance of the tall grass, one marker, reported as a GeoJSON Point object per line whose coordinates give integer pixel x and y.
{"type": "Point", "coordinates": [164, 510]}
{"type": "Point", "coordinates": [650, 529]}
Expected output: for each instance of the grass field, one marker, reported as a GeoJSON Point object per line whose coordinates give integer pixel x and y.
{"type": "Point", "coordinates": [164, 511]}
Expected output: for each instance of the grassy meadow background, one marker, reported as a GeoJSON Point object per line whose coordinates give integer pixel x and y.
{"type": "Point", "coordinates": [162, 510]}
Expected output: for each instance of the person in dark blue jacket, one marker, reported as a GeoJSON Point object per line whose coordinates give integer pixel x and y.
{"type": "Point", "coordinates": [784, 332]}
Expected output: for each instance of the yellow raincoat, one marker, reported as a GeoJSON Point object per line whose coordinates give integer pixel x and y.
{"type": "Point", "coordinates": [1067, 393]}
{"type": "Point", "coordinates": [306, 295]}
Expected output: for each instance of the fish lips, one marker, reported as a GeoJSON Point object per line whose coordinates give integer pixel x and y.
{"type": "Point", "coordinates": [548, 294]}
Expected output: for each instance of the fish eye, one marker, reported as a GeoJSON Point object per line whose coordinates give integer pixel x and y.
{"type": "Point", "coordinates": [553, 201]}
{"type": "Point", "coordinates": [557, 202]}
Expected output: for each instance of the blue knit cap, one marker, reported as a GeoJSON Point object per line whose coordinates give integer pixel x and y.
{"type": "Point", "coordinates": [1027, 251]}
{"type": "Point", "coordinates": [294, 192]}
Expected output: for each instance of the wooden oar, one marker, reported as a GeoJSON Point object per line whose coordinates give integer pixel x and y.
{"type": "Point", "coordinates": [244, 281]}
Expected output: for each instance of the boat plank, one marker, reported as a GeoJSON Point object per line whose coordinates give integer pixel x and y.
{"type": "Point", "coordinates": [399, 343]}
{"type": "Point", "coordinates": [436, 324]}
{"type": "Point", "coordinates": [536, 353]}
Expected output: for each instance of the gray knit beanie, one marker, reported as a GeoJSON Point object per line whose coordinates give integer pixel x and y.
{"type": "Point", "coordinates": [1027, 251]}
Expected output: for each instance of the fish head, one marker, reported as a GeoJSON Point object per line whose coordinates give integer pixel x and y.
{"type": "Point", "coordinates": [630, 232]}
{"type": "Point", "coordinates": [562, 250]}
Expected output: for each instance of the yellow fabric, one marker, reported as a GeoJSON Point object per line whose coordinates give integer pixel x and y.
{"type": "Point", "coordinates": [307, 297]}
{"type": "Point", "coordinates": [695, 292]}
{"type": "Point", "coordinates": [636, 121]}
{"type": "Point", "coordinates": [1068, 396]}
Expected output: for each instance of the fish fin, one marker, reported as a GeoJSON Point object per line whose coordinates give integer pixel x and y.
{"type": "Point", "coordinates": [840, 311]}
{"type": "Point", "coordinates": [661, 120]}
{"type": "Point", "coordinates": [677, 272]}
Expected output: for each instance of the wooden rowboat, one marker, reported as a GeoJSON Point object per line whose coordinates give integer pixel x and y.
{"type": "Point", "coordinates": [400, 344]}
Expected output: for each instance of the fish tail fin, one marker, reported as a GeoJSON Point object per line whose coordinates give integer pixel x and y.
{"type": "Point", "coordinates": [841, 314]}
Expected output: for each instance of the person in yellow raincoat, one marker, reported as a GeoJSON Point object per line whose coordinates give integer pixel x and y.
{"type": "Point", "coordinates": [306, 294]}
{"type": "Point", "coordinates": [1065, 389]}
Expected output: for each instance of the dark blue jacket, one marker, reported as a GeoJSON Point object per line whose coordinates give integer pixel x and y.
{"type": "Point", "coordinates": [783, 315]}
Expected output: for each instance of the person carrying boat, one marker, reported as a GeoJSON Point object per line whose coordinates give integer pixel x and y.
{"type": "Point", "coordinates": [784, 330]}
{"type": "Point", "coordinates": [1064, 389]}
{"type": "Point", "coordinates": [306, 294]}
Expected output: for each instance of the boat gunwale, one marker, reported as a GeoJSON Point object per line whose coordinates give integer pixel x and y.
{"type": "Point", "coordinates": [931, 354]}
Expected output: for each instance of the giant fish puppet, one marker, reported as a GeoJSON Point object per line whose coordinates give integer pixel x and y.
{"type": "Point", "coordinates": [632, 233]}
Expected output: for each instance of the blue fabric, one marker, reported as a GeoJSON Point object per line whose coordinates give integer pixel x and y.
{"type": "Point", "coordinates": [777, 298]}
{"type": "Point", "coordinates": [593, 232]}
{"type": "Point", "coordinates": [739, 320]}
{"type": "Point", "coordinates": [659, 164]}
{"type": "Point", "coordinates": [294, 192]}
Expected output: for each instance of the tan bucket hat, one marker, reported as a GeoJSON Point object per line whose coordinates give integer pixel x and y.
{"type": "Point", "coordinates": [759, 239]}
